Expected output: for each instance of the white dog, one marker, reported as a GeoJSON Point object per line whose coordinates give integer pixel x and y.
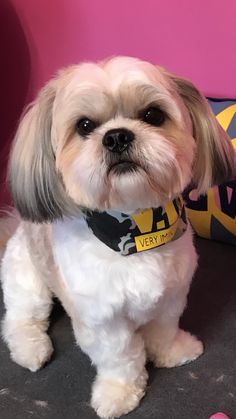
{"type": "Point", "coordinates": [97, 169]}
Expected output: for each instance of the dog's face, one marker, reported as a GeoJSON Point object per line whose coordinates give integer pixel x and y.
{"type": "Point", "coordinates": [121, 137]}
{"type": "Point", "coordinates": [121, 134]}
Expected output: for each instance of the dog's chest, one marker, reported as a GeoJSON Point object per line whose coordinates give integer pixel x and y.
{"type": "Point", "coordinates": [102, 282]}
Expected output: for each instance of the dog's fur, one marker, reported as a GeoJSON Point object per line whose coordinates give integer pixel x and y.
{"type": "Point", "coordinates": [122, 308]}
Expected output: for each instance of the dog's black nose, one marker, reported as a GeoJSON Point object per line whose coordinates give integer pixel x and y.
{"type": "Point", "coordinates": [118, 140]}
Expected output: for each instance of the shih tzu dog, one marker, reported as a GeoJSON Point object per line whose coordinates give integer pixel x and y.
{"type": "Point", "coordinates": [96, 171]}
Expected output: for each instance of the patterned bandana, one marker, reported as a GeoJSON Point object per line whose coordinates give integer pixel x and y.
{"type": "Point", "coordinates": [143, 230]}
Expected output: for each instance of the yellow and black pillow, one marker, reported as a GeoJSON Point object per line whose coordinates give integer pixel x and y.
{"type": "Point", "coordinates": [213, 216]}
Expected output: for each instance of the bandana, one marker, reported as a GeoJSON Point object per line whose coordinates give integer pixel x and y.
{"type": "Point", "coordinates": [144, 230]}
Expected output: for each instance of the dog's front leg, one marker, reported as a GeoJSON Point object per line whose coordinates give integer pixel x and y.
{"type": "Point", "coordinates": [119, 355]}
{"type": "Point", "coordinates": [28, 304]}
{"type": "Point", "coordinates": [167, 345]}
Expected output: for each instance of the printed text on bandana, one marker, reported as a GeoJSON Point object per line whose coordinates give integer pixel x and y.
{"type": "Point", "coordinates": [151, 240]}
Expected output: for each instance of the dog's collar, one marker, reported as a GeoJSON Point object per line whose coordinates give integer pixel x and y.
{"type": "Point", "coordinates": [143, 230]}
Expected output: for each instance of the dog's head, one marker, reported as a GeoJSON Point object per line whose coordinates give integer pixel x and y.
{"type": "Point", "coordinates": [121, 134]}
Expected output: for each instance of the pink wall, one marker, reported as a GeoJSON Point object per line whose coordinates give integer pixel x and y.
{"type": "Point", "coordinates": [195, 39]}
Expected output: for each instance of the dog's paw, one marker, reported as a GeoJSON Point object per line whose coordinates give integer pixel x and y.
{"type": "Point", "coordinates": [32, 349]}
{"type": "Point", "coordinates": [113, 398]}
{"type": "Point", "coordinates": [184, 349]}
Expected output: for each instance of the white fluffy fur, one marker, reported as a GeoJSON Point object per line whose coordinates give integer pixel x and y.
{"type": "Point", "coordinates": [123, 309]}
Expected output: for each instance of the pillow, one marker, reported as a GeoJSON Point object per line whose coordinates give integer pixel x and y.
{"type": "Point", "coordinates": [213, 216]}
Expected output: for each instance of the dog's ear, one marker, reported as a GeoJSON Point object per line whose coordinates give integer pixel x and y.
{"type": "Point", "coordinates": [215, 161]}
{"type": "Point", "coordinates": [37, 189]}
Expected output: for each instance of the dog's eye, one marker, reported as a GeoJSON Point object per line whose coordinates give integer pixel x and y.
{"type": "Point", "coordinates": [153, 116]}
{"type": "Point", "coordinates": [85, 126]}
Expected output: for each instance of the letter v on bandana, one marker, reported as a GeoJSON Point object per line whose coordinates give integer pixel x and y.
{"type": "Point", "coordinates": [144, 230]}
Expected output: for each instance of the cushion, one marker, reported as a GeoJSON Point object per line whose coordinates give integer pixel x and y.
{"type": "Point", "coordinates": [213, 215]}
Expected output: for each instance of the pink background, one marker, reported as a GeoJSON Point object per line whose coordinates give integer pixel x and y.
{"type": "Point", "coordinates": [195, 39]}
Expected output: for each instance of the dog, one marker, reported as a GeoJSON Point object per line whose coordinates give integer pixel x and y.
{"type": "Point", "coordinates": [97, 170]}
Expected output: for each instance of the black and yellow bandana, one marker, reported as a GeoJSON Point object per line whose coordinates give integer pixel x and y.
{"type": "Point", "coordinates": [144, 230]}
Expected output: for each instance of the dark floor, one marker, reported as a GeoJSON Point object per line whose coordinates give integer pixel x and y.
{"type": "Point", "coordinates": [61, 390]}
